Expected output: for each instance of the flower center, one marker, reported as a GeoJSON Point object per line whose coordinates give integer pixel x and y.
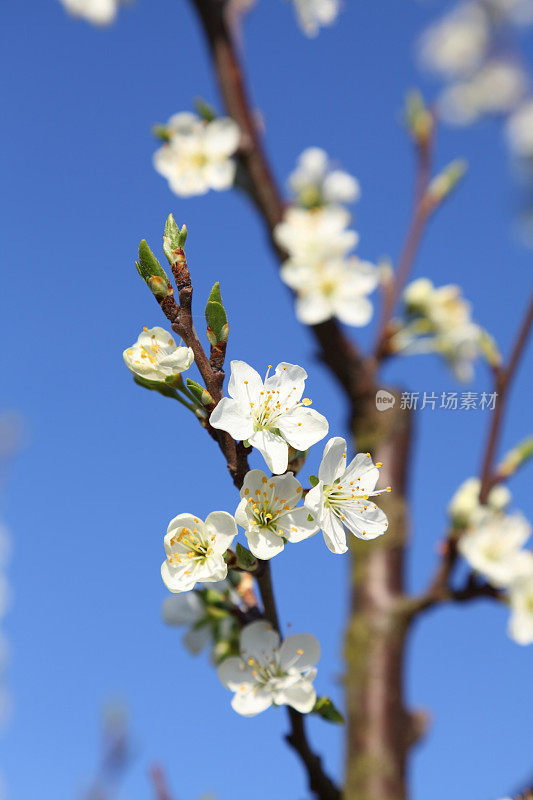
{"type": "Point", "coordinates": [190, 545]}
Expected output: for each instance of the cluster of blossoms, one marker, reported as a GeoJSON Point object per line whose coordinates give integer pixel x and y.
{"type": "Point", "coordinates": [469, 49]}
{"type": "Point", "coordinates": [272, 416]}
{"type": "Point", "coordinates": [492, 542]}
{"type": "Point", "coordinates": [314, 14]}
{"type": "Point", "coordinates": [198, 155]}
{"type": "Point", "coordinates": [438, 320]}
{"type": "Point", "coordinates": [315, 234]}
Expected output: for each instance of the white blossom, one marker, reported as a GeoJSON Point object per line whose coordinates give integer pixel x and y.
{"type": "Point", "coordinates": [195, 550]}
{"type": "Point", "coordinates": [520, 131]}
{"type": "Point", "coordinates": [456, 44]}
{"type": "Point", "coordinates": [493, 548]}
{"type": "Point", "coordinates": [440, 321]}
{"type": "Point", "coordinates": [316, 183]}
{"type": "Point", "coordinates": [156, 357]}
{"type": "Point", "coordinates": [465, 509]}
{"type": "Point", "coordinates": [521, 620]}
{"type": "Point", "coordinates": [267, 673]}
{"type": "Point", "coordinates": [187, 610]}
{"type": "Point", "coordinates": [313, 236]}
{"type": "Point", "coordinates": [518, 12]}
{"type": "Point", "coordinates": [313, 14]}
{"type": "Point", "coordinates": [496, 88]}
{"type": "Point", "coordinates": [269, 415]}
{"type": "Point", "coordinates": [268, 513]}
{"type": "Point", "coordinates": [197, 156]}
{"type": "Point", "coordinates": [339, 501]}
{"type": "Point", "coordinates": [99, 12]}
{"type": "Point", "coordinates": [335, 288]}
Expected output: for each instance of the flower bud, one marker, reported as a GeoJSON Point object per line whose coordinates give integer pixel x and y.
{"type": "Point", "coordinates": [516, 457]}
{"type": "Point", "coordinates": [215, 316]}
{"type": "Point", "coordinates": [443, 184]}
{"type": "Point", "coordinates": [201, 394]}
{"type": "Point", "coordinates": [173, 238]}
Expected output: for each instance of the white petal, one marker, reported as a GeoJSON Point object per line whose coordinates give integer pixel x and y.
{"type": "Point", "coordinates": [224, 528]}
{"type": "Point", "coordinates": [220, 175]}
{"type": "Point", "coordinates": [357, 311]}
{"type": "Point", "coordinates": [233, 673]}
{"type": "Point", "coordinates": [314, 501]}
{"type": "Point", "coordinates": [182, 609]}
{"type": "Point", "coordinates": [299, 652]}
{"type": "Point", "coordinates": [289, 380]}
{"type": "Point", "coordinates": [296, 525]}
{"type": "Point", "coordinates": [334, 534]}
{"type": "Point", "coordinates": [263, 543]}
{"type": "Point", "coordinates": [302, 427]}
{"type": "Point", "coordinates": [185, 123]}
{"type": "Point", "coordinates": [273, 448]}
{"type": "Point", "coordinates": [222, 137]}
{"type": "Point", "coordinates": [333, 461]}
{"type": "Point", "coordinates": [365, 523]}
{"type": "Point", "coordinates": [250, 703]}
{"type": "Point", "coordinates": [175, 579]}
{"type": "Point", "coordinates": [301, 696]}
{"type": "Point", "coordinates": [196, 639]}
{"type": "Point", "coordinates": [229, 416]}
{"type": "Point", "coordinates": [287, 488]}
{"type": "Point", "coordinates": [340, 187]}
{"type": "Point", "coordinates": [241, 516]}
{"type": "Point", "coordinates": [245, 383]}
{"type": "Point", "coordinates": [314, 308]}
{"type": "Point", "coordinates": [363, 473]}
{"type": "Point", "coordinates": [259, 640]}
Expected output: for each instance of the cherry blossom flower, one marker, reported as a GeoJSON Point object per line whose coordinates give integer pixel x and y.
{"type": "Point", "coordinates": [269, 415]}
{"type": "Point", "coordinates": [339, 501]}
{"type": "Point", "coordinates": [493, 548]}
{"type": "Point", "coordinates": [333, 289]}
{"type": "Point", "coordinates": [439, 321]}
{"type": "Point", "coordinates": [156, 357]}
{"type": "Point", "coordinates": [314, 236]}
{"type": "Point", "coordinates": [465, 509]}
{"type": "Point", "coordinates": [496, 88]}
{"type": "Point", "coordinates": [99, 12]}
{"type": "Point", "coordinates": [316, 183]}
{"type": "Point", "coordinates": [313, 14]}
{"type": "Point", "coordinates": [268, 513]}
{"type": "Point", "coordinates": [195, 550]}
{"type": "Point", "coordinates": [521, 620]}
{"type": "Point", "coordinates": [457, 43]}
{"type": "Point", "coordinates": [197, 156]}
{"type": "Point", "coordinates": [266, 673]}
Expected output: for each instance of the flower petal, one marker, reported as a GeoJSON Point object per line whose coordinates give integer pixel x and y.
{"type": "Point", "coordinates": [296, 526]}
{"type": "Point", "coordinates": [299, 652]}
{"type": "Point", "coordinates": [301, 696]}
{"type": "Point", "coordinates": [362, 471]}
{"type": "Point", "coordinates": [259, 640]}
{"type": "Point", "coordinates": [273, 448]}
{"type": "Point", "coordinates": [182, 609]}
{"type": "Point", "coordinates": [245, 383]}
{"type": "Point", "coordinates": [224, 528]}
{"type": "Point", "coordinates": [229, 416]}
{"type": "Point", "coordinates": [334, 534]}
{"type": "Point", "coordinates": [221, 137]}
{"type": "Point", "coordinates": [197, 638]}
{"type": "Point", "coordinates": [303, 427]}
{"type": "Point", "coordinates": [264, 543]}
{"type": "Point", "coordinates": [250, 703]}
{"type": "Point", "coordinates": [364, 519]}
{"type": "Point", "coordinates": [234, 673]}
{"type": "Point", "coordinates": [333, 462]}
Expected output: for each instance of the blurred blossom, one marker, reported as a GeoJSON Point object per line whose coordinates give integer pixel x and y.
{"type": "Point", "coordinates": [466, 510]}
{"type": "Point", "coordinates": [521, 621]}
{"type": "Point", "coordinates": [456, 45]}
{"type": "Point", "coordinates": [519, 12]}
{"type": "Point", "coordinates": [187, 611]}
{"type": "Point", "coordinates": [494, 549]}
{"type": "Point", "coordinates": [496, 88]}
{"type": "Point", "coordinates": [99, 12]}
{"type": "Point", "coordinates": [198, 155]}
{"type": "Point", "coordinates": [520, 131]}
{"type": "Point", "coordinates": [439, 321]}
{"type": "Point", "coordinates": [311, 237]}
{"type": "Point", "coordinates": [316, 183]}
{"type": "Point", "coordinates": [313, 14]}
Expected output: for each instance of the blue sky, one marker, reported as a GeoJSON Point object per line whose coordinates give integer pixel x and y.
{"type": "Point", "coordinates": [108, 465]}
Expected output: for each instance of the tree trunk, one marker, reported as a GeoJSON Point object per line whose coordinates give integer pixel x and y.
{"type": "Point", "coordinates": [380, 731]}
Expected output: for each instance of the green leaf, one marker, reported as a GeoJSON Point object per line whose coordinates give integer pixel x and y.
{"type": "Point", "coordinates": [326, 709]}
{"type": "Point", "coordinates": [310, 518]}
{"type": "Point", "coordinates": [245, 559]}
{"type": "Point", "coordinates": [313, 480]}
{"type": "Point", "coordinates": [173, 238]}
{"type": "Point", "coordinates": [215, 316]}
{"type": "Point", "coordinates": [161, 132]}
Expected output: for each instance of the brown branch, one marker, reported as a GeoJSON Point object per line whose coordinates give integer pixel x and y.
{"type": "Point", "coordinates": [320, 784]}
{"type": "Point", "coordinates": [423, 208]}
{"type": "Point", "coordinates": [159, 783]}
{"type": "Point", "coordinates": [503, 378]}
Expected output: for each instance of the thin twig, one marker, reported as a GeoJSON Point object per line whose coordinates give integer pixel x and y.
{"type": "Point", "coordinates": [159, 783]}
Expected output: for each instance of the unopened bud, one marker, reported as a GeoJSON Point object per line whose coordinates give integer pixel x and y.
{"type": "Point", "coordinates": [419, 118]}
{"type": "Point", "coordinates": [444, 183]}
{"type": "Point", "coordinates": [174, 238]}
{"type": "Point", "coordinates": [516, 457]}
{"type": "Point", "coordinates": [200, 393]}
